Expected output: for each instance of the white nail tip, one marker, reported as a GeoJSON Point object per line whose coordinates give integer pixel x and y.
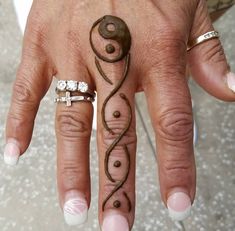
{"type": "Point", "coordinates": [11, 154]}
{"type": "Point", "coordinates": [12, 161]}
{"type": "Point", "coordinates": [232, 88]}
{"type": "Point", "coordinates": [179, 216]}
{"type": "Point", "coordinates": [115, 222]}
{"type": "Point", "coordinates": [75, 212]}
{"type": "Point", "coordinates": [231, 81]}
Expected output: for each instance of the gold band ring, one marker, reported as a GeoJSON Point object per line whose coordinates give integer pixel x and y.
{"type": "Point", "coordinates": [203, 38]}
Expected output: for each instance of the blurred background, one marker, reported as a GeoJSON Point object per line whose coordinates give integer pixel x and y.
{"type": "Point", "coordinates": [28, 197]}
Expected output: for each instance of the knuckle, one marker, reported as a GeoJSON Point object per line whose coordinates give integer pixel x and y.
{"type": "Point", "coordinates": [117, 127]}
{"type": "Point", "coordinates": [36, 36]}
{"type": "Point", "coordinates": [74, 47]}
{"type": "Point", "coordinates": [215, 52]}
{"type": "Point", "coordinates": [176, 125]}
{"type": "Point", "coordinates": [124, 196]}
{"type": "Point", "coordinates": [73, 125]}
{"type": "Point", "coordinates": [37, 26]}
{"type": "Point", "coordinates": [167, 57]}
{"type": "Point", "coordinates": [108, 188]}
{"type": "Point", "coordinates": [173, 49]}
{"type": "Point", "coordinates": [178, 172]}
{"type": "Point", "coordinates": [169, 36]}
{"type": "Point", "coordinates": [21, 92]}
{"type": "Point", "coordinates": [23, 95]}
{"type": "Point", "coordinates": [118, 155]}
{"type": "Point", "coordinates": [177, 165]}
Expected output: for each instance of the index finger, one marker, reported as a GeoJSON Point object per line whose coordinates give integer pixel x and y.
{"type": "Point", "coordinates": [33, 80]}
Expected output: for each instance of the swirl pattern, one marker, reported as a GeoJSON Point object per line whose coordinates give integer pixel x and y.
{"type": "Point", "coordinates": [114, 29]}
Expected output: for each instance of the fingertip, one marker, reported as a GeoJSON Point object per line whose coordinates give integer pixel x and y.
{"type": "Point", "coordinates": [75, 208]}
{"type": "Point", "coordinates": [231, 81]}
{"type": "Point", "coordinates": [179, 205]}
{"type": "Point", "coordinates": [115, 222]}
{"type": "Point", "coordinates": [216, 79]}
{"type": "Point", "coordinates": [207, 60]}
{"type": "Point", "coordinates": [12, 152]}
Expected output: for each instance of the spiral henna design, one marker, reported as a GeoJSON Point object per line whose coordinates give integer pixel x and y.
{"type": "Point", "coordinates": [114, 29]}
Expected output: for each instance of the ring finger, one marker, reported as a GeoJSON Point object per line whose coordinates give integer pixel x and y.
{"type": "Point", "coordinates": [73, 131]}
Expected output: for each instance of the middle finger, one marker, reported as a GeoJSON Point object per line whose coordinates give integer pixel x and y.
{"type": "Point", "coordinates": [116, 122]}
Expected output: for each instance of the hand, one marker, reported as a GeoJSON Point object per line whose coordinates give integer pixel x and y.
{"type": "Point", "coordinates": [57, 44]}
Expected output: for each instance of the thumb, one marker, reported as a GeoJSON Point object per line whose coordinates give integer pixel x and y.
{"type": "Point", "coordinates": [207, 61]}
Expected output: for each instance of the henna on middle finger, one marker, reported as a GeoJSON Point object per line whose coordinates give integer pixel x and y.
{"type": "Point", "coordinates": [115, 29]}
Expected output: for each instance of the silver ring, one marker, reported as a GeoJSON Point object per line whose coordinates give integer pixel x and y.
{"type": "Point", "coordinates": [68, 99]}
{"type": "Point", "coordinates": [74, 86]}
{"type": "Point", "coordinates": [203, 38]}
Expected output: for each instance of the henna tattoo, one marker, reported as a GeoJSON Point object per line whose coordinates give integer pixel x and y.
{"type": "Point", "coordinates": [97, 63]}
{"type": "Point", "coordinates": [116, 114]}
{"type": "Point", "coordinates": [117, 204]}
{"type": "Point", "coordinates": [117, 164]}
{"type": "Point", "coordinates": [113, 92]}
{"type": "Point", "coordinates": [108, 152]}
{"type": "Point", "coordinates": [128, 199]}
{"type": "Point", "coordinates": [119, 33]}
{"type": "Point", "coordinates": [114, 29]}
{"type": "Point", "coordinates": [110, 49]}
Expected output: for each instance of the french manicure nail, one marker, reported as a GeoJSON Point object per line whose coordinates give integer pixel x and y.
{"type": "Point", "coordinates": [11, 153]}
{"type": "Point", "coordinates": [115, 222]}
{"type": "Point", "coordinates": [75, 211]}
{"type": "Point", "coordinates": [231, 81]}
{"type": "Point", "coordinates": [179, 206]}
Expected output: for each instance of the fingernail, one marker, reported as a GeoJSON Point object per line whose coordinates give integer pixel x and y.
{"type": "Point", "coordinates": [75, 211]}
{"type": "Point", "coordinates": [115, 222]}
{"type": "Point", "coordinates": [179, 206]}
{"type": "Point", "coordinates": [11, 153]}
{"type": "Point", "coordinates": [231, 81]}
